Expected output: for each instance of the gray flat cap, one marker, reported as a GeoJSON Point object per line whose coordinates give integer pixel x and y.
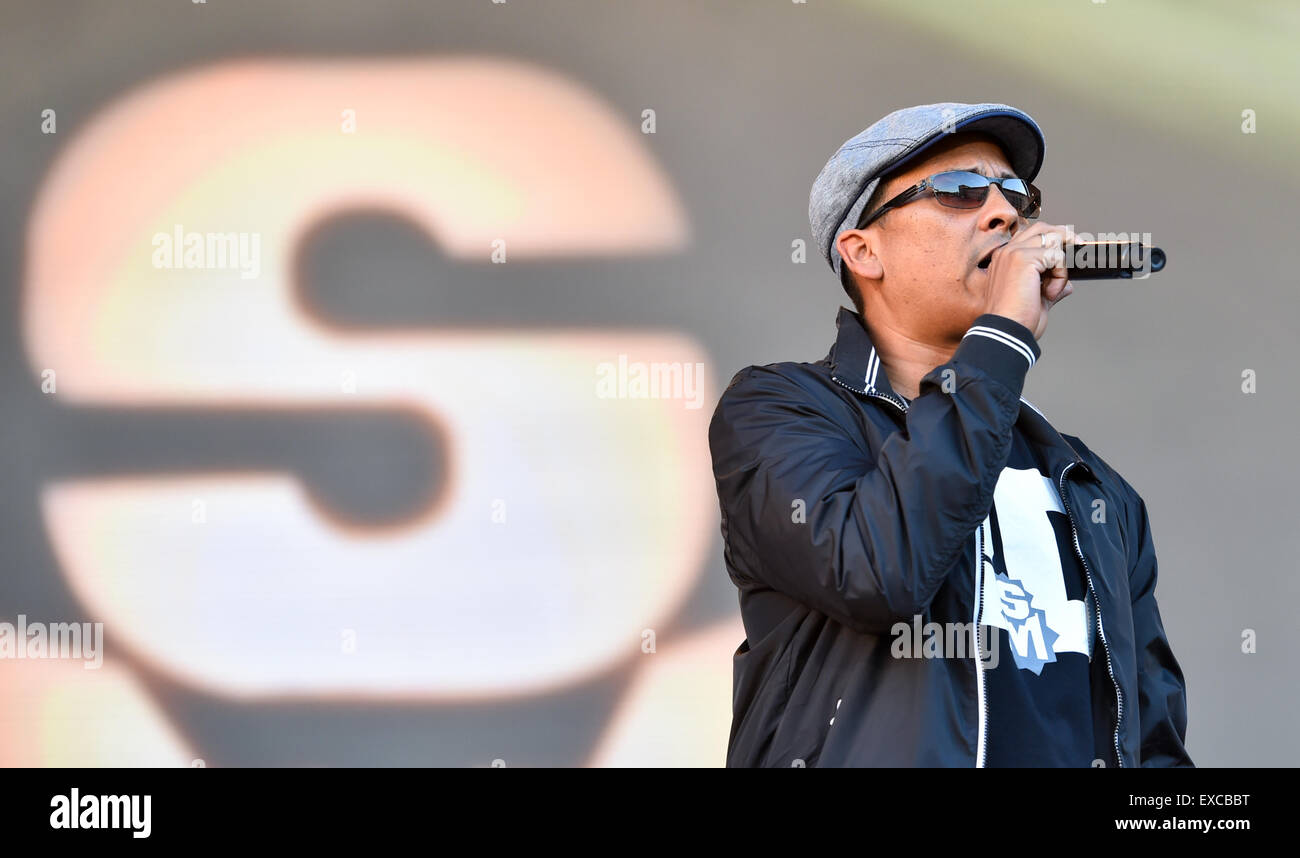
{"type": "Point", "coordinates": [847, 181]}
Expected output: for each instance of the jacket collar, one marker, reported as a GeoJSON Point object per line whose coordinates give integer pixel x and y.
{"type": "Point", "coordinates": [855, 363]}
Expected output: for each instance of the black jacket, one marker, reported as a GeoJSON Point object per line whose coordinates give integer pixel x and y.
{"type": "Point", "coordinates": [846, 509]}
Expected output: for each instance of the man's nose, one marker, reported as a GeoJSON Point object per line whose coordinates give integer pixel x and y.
{"type": "Point", "coordinates": [997, 213]}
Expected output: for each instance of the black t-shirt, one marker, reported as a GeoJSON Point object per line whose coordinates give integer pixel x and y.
{"type": "Point", "coordinates": [1038, 697]}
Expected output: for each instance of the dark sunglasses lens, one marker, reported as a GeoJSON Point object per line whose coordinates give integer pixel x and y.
{"type": "Point", "coordinates": [1035, 205]}
{"type": "Point", "coordinates": [1024, 196]}
{"type": "Point", "coordinates": [960, 190]}
{"type": "Point", "coordinates": [1017, 193]}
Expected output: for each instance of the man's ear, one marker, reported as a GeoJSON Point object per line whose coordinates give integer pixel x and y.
{"type": "Point", "coordinates": [859, 251]}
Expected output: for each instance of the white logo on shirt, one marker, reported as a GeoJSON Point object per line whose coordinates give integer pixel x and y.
{"type": "Point", "coordinates": [1029, 602]}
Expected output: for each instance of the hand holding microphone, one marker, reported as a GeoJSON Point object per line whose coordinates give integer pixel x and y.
{"type": "Point", "coordinates": [1059, 258]}
{"type": "Point", "coordinates": [1027, 275]}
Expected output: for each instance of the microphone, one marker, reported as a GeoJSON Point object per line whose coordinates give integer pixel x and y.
{"type": "Point", "coordinates": [1099, 260]}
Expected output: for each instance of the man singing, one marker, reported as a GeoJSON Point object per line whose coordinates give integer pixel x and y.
{"type": "Point", "coordinates": [891, 506]}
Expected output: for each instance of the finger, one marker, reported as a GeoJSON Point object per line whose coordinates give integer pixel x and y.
{"type": "Point", "coordinates": [1058, 267]}
{"type": "Point", "coordinates": [1049, 259]}
{"type": "Point", "coordinates": [1057, 292]}
{"type": "Point", "coordinates": [1057, 236]}
{"type": "Point", "coordinates": [1041, 237]}
{"type": "Point", "coordinates": [1054, 273]}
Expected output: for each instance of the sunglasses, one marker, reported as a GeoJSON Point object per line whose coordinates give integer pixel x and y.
{"type": "Point", "coordinates": [959, 189]}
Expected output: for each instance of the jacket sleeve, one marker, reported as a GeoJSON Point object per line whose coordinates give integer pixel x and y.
{"type": "Point", "coordinates": [865, 537]}
{"type": "Point", "coordinates": [1162, 692]}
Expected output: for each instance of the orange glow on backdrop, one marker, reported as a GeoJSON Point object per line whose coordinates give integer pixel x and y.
{"type": "Point", "coordinates": [571, 521]}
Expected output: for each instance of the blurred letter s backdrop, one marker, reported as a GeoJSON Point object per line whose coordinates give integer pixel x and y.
{"type": "Point", "coordinates": [359, 357]}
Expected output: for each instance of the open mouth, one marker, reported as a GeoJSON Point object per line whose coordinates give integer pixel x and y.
{"type": "Point", "coordinates": [987, 258]}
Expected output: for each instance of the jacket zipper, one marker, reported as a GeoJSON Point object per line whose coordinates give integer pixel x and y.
{"type": "Point", "coordinates": [1119, 697]}
{"type": "Point", "coordinates": [866, 391]}
{"type": "Point", "coordinates": [981, 701]}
